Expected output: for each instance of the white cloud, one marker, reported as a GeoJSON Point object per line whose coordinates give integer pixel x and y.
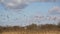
{"type": "Point", "coordinates": [20, 4]}
{"type": "Point", "coordinates": [14, 4]}
{"type": "Point", "coordinates": [55, 18]}
{"type": "Point", "coordinates": [52, 18]}
{"type": "Point", "coordinates": [54, 10]}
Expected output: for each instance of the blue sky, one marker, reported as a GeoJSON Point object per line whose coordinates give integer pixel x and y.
{"type": "Point", "coordinates": [28, 14]}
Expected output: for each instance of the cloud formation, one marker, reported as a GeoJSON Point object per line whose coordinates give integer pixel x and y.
{"type": "Point", "coordinates": [20, 4]}
{"type": "Point", "coordinates": [14, 4]}
{"type": "Point", "coordinates": [54, 18]}
{"type": "Point", "coordinates": [55, 10]}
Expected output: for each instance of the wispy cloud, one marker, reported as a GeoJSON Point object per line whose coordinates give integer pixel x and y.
{"type": "Point", "coordinates": [20, 4]}
{"type": "Point", "coordinates": [54, 18]}
{"type": "Point", "coordinates": [54, 10]}
{"type": "Point", "coordinates": [14, 4]}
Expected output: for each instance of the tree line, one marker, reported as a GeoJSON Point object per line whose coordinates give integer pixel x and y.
{"type": "Point", "coordinates": [31, 27]}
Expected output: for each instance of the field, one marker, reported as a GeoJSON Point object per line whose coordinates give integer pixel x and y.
{"type": "Point", "coordinates": [31, 29]}
{"type": "Point", "coordinates": [32, 32]}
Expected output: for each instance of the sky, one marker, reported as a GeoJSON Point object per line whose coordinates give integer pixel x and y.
{"type": "Point", "coordinates": [25, 12]}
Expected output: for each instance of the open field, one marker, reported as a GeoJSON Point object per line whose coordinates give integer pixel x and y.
{"type": "Point", "coordinates": [31, 29]}
{"type": "Point", "coordinates": [32, 32]}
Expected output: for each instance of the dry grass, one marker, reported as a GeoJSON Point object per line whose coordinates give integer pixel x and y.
{"type": "Point", "coordinates": [31, 29]}
{"type": "Point", "coordinates": [32, 32]}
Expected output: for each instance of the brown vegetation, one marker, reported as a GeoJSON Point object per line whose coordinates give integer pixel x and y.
{"type": "Point", "coordinates": [31, 29]}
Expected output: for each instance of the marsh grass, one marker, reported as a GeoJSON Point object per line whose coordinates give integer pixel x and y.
{"type": "Point", "coordinates": [32, 32]}
{"type": "Point", "coordinates": [31, 29]}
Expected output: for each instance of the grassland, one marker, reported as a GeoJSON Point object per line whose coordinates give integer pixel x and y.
{"type": "Point", "coordinates": [31, 29]}
{"type": "Point", "coordinates": [32, 32]}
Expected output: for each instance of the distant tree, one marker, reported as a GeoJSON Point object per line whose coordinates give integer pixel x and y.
{"type": "Point", "coordinates": [32, 26]}
{"type": "Point", "coordinates": [59, 24]}
{"type": "Point", "coordinates": [0, 29]}
{"type": "Point", "coordinates": [48, 26]}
